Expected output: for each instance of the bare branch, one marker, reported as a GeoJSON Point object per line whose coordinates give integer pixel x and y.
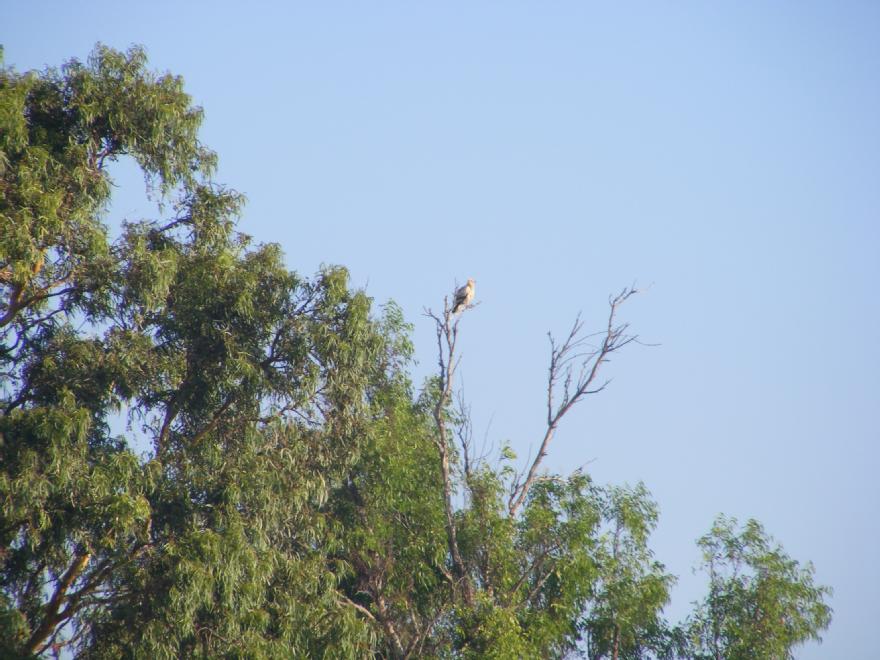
{"type": "Point", "coordinates": [538, 586]}
{"type": "Point", "coordinates": [215, 420]}
{"type": "Point", "coordinates": [464, 431]}
{"type": "Point", "coordinates": [17, 301]}
{"type": "Point", "coordinates": [387, 623]}
{"type": "Point", "coordinates": [170, 414]}
{"type": "Point", "coordinates": [568, 388]}
{"type": "Point", "coordinates": [52, 617]}
{"type": "Point", "coordinates": [360, 608]}
{"type": "Point", "coordinates": [446, 327]}
{"type": "Point", "coordinates": [534, 565]}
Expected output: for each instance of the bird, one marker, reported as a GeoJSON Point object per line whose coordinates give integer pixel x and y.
{"type": "Point", "coordinates": [463, 297]}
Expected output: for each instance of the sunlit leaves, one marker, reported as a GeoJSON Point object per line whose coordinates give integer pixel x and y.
{"type": "Point", "coordinates": [761, 602]}
{"type": "Point", "coordinates": [625, 619]}
{"type": "Point", "coordinates": [245, 388]}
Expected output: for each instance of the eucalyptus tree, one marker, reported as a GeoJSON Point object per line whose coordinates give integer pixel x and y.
{"type": "Point", "coordinates": [514, 558]}
{"type": "Point", "coordinates": [761, 602]}
{"type": "Point", "coordinates": [205, 454]}
{"type": "Point", "coordinates": [247, 383]}
{"type": "Point", "coordinates": [625, 620]}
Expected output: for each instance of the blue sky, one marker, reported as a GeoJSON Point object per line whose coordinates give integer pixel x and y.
{"type": "Point", "coordinates": [726, 154]}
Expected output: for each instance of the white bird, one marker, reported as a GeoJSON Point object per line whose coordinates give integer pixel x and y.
{"type": "Point", "coordinates": [463, 297]}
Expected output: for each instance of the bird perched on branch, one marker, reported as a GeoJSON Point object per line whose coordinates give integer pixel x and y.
{"type": "Point", "coordinates": [463, 297]}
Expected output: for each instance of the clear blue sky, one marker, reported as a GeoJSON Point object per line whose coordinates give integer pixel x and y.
{"type": "Point", "coordinates": [726, 153]}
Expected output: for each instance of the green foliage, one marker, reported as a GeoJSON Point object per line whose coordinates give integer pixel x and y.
{"type": "Point", "coordinates": [249, 384]}
{"type": "Point", "coordinates": [279, 489]}
{"type": "Point", "coordinates": [761, 603]}
{"type": "Point", "coordinates": [633, 588]}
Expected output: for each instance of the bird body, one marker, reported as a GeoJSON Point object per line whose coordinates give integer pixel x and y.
{"type": "Point", "coordinates": [463, 297]}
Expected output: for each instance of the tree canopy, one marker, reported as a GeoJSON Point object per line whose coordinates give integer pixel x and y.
{"type": "Point", "coordinates": [281, 488]}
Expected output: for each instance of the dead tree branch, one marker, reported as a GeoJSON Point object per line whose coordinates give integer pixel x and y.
{"type": "Point", "coordinates": [464, 432]}
{"type": "Point", "coordinates": [574, 367]}
{"type": "Point", "coordinates": [446, 326]}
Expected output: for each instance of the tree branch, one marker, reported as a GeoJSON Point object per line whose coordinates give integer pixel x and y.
{"type": "Point", "coordinates": [52, 617]}
{"type": "Point", "coordinates": [344, 600]}
{"type": "Point", "coordinates": [170, 414]}
{"type": "Point", "coordinates": [446, 327]}
{"type": "Point", "coordinates": [562, 361]}
{"type": "Point", "coordinates": [18, 302]}
{"type": "Point", "coordinates": [536, 563]}
{"type": "Point", "coordinates": [388, 625]}
{"type": "Point", "coordinates": [212, 424]}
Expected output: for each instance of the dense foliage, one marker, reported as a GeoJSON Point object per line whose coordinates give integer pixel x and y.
{"type": "Point", "coordinates": [203, 454]}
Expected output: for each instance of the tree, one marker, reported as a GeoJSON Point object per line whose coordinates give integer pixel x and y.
{"type": "Point", "coordinates": [625, 620]}
{"type": "Point", "coordinates": [248, 383]}
{"type": "Point", "coordinates": [521, 556]}
{"type": "Point", "coordinates": [761, 603]}
{"type": "Point", "coordinates": [280, 487]}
